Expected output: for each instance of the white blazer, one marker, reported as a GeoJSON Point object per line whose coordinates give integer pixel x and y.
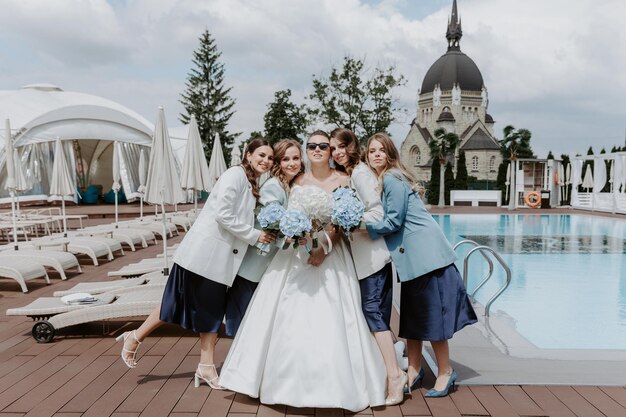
{"type": "Point", "coordinates": [369, 255]}
{"type": "Point", "coordinates": [216, 243]}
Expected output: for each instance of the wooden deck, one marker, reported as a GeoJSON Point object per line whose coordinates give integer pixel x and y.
{"type": "Point", "coordinates": [80, 374]}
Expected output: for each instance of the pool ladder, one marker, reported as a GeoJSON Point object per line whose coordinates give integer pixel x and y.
{"type": "Point", "coordinates": [484, 251]}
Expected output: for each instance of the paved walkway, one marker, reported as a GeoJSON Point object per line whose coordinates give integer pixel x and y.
{"type": "Point", "coordinates": [80, 373]}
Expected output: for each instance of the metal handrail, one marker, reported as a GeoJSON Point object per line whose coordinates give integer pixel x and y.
{"type": "Point", "coordinates": [502, 263]}
{"type": "Point", "coordinates": [471, 242]}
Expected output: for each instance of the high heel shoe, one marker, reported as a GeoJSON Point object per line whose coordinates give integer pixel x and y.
{"type": "Point", "coordinates": [198, 378]}
{"type": "Point", "coordinates": [451, 384]}
{"type": "Point", "coordinates": [416, 382]}
{"type": "Point", "coordinates": [129, 360]}
{"type": "Point", "coordinates": [396, 393]}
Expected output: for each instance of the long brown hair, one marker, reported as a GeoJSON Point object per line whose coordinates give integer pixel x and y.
{"type": "Point", "coordinates": [393, 157]}
{"type": "Point", "coordinates": [280, 149]}
{"type": "Point", "coordinates": [252, 176]}
{"type": "Point", "coordinates": [353, 149]}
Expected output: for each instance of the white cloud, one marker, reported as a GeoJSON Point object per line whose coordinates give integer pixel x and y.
{"type": "Point", "coordinates": [554, 67]}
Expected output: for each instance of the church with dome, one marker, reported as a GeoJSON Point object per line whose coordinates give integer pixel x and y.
{"type": "Point", "coordinates": [454, 97]}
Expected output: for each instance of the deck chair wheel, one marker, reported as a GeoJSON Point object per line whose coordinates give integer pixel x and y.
{"type": "Point", "coordinates": [43, 332]}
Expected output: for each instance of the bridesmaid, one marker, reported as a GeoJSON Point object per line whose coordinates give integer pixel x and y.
{"type": "Point", "coordinates": [371, 257]}
{"type": "Point", "coordinates": [433, 301]}
{"type": "Point", "coordinates": [287, 166]}
{"type": "Point", "coordinates": [197, 294]}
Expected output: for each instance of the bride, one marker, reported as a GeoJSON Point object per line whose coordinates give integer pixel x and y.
{"type": "Point", "coordinates": [304, 341]}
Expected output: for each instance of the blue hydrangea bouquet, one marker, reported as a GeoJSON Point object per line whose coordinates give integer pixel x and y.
{"type": "Point", "coordinates": [294, 223]}
{"type": "Point", "coordinates": [269, 219]}
{"type": "Point", "coordinates": [347, 211]}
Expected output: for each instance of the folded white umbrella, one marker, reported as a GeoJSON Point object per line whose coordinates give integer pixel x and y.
{"type": "Point", "coordinates": [163, 184]}
{"type": "Point", "coordinates": [116, 179]}
{"type": "Point", "coordinates": [61, 183]}
{"type": "Point", "coordinates": [568, 179]}
{"type": "Point", "coordinates": [507, 182]}
{"type": "Point", "coordinates": [10, 182]}
{"type": "Point", "coordinates": [217, 164]}
{"type": "Point", "coordinates": [588, 179]}
{"type": "Point", "coordinates": [143, 172]}
{"type": "Point", "coordinates": [560, 181]}
{"type": "Point", "coordinates": [195, 171]}
{"type": "Point", "coordinates": [235, 156]}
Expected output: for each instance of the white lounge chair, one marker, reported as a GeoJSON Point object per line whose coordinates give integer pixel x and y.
{"type": "Point", "coordinates": [58, 260]}
{"type": "Point", "coordinates": [22, 271]}
{"type": "Point", "coordinates": [127, 302]}
{"type": "Point", "coordinates": [78, 245]}
{"type": "Point", "coordinates": [98, 287]}
{"type": "Point", "coordinates": [143, 267]}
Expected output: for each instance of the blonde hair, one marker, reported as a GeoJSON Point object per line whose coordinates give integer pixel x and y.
{"type": "Point", "coordinates": [280, 149]}
{"type": "Point", "coordinates": [393, 158]}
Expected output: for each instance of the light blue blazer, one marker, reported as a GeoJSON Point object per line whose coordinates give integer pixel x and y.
{"type": "Point", "coordinates": [254, 265]}
{"type": "Point", "coordinates": [414, 239]}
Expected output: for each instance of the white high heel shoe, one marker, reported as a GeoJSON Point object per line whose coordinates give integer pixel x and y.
{"type": "Point", "coordinates": [198, 378]}
{"type": "Point", "coordinates": [129, 360]}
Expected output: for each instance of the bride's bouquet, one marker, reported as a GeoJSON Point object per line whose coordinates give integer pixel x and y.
{"type": "Point", "coordinates": [347, 211]}
{"type": "Point", "coordinates": [316, 204]}
{"type": "Point", "coordinates": [294, 223]}
{"type": "Point", "coordinates": [269, 219]}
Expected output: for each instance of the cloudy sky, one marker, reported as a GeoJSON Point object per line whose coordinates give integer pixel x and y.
{"type": "Point", "coordinates": [555, 67]}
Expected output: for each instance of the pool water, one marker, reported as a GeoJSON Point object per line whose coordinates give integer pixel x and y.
{"type": "Point", "coordinates": [568, 287]}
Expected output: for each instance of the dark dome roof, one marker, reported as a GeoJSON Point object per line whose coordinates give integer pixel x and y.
{"type": "Point", "coordinates": [446, 116]}
{"type": "Point", "coordinates": [453, 67]}
{"type": "Point", "coordinates": [488, 118]}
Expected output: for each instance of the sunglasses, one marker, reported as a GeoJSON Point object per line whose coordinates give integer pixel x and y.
{"type": "Point", "coordinates": [313, 146]}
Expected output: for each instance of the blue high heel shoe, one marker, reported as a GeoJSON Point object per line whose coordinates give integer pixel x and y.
{"type": "Point", "coordinates": [451, 383]}
{"type": "Point", "coordinates": [416, 382]}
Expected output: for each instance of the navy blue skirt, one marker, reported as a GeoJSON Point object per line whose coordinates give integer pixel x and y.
{"type": "Point", "coordinates": [434, 306]}
{"type": "Point", "coordinates": [376, 299]}
{"type": "Point", "coordinates": [199, 304]}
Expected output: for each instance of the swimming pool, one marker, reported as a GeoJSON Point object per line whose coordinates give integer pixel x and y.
{"type": "Point", "coordinates": [568, 287]}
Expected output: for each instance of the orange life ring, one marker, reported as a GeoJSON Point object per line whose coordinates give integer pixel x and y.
{"type": "Point", "coordinates": [532, 199]}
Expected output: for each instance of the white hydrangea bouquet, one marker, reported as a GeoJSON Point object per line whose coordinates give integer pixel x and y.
{"type": "Point", "coordinates": [269, 217]}
{"type": "Point", "coordinates": [317, 205]}
{"type": "Point", "coordinates": [347, 211]}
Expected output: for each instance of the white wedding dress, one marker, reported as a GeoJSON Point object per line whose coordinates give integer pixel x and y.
{"type": "Point", "coordinates": [304, 341]}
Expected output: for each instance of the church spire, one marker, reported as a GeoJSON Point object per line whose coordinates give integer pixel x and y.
{"type": "Point", "coordinates": [454, 32]}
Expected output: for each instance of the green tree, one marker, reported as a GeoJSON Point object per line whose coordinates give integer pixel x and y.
{"type": "Point", "coordinates": [441, 147]}
{"type": "Point", "coordinates": [515, 144]}
{"type": "Point", "coordinates": [357, 98]}
{"type": "Point", "coordinates": [501, 180]}
{"type": "Point", "coordinates": [207, 98]}
{"type": "Point", "coordinates": [550, 156]}
{"type": "Point", "coordinates": [449, 181]}
{"type": "Point", "coordinates": [461, 181]}
{"type": "Point", "coordinates": [284, 119]}
{"type": "Point", "coordinates": [432, 195]}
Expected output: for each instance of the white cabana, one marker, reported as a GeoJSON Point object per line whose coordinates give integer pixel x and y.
{"type": "Point", "coordinates": [614, 200]}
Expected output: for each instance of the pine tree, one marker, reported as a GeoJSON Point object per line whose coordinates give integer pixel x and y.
{"type": "Point", "coordinates": [207, 98]}
{"type": "Point", "coordinates": [432, 195]}
{"type": "Point", "coordinates": [449, 181]}
{"type": "Point", "coordinates": [284, 119]}
{"type": "Point", "coordinates": [501, 181]}
{"type": "Point", "coordinates": [460, 183]}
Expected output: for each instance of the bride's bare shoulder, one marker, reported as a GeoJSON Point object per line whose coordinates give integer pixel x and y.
{"type": "Point", "coordinates": [342, 178]}
{"type": "Point", "coordinates": [302, 179]}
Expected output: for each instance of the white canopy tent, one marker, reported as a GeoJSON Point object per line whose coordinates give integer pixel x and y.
{"type": "Point", "coordinates": [86, 124]}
